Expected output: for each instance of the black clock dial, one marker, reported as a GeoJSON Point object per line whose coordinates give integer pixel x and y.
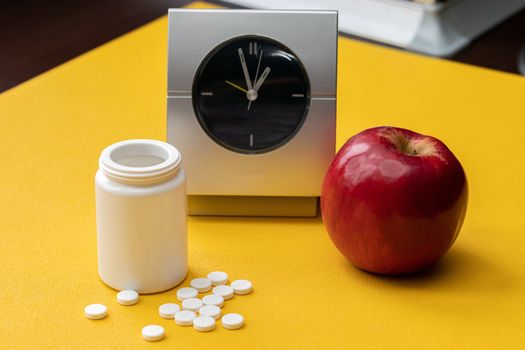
{"type": "Point", "coordinates": [251, 94]}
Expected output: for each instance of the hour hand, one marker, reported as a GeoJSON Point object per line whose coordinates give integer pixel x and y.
{"type": "Point", "coordinates": [245, 69]}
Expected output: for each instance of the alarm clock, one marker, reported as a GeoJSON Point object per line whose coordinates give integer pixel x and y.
{"type": "Point", "coordinates": [252, 108]}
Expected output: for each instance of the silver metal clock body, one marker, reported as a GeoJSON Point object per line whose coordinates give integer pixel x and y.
{"type": "Point", "coordinates": [295, 169]}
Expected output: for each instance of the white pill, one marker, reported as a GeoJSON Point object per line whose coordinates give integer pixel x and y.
{"type": "Point", "coordinates": [201, 284]}
{"type": "Point", "coordinates": [153, 332]}
{"type": "Point", "coordinates": [187, 292]}
{"type": "Point", "coordinates": [204, 323]}
{"type": "Point", "coordinates": [210, 310]}
{"type": "Point", "coordinates": [168, 310]}
{"type": "Point", "coordinates": [184, 317]}
{"type": "Point", "coordinates": [192, 304]}
{"type": "Point", "coordinates": [213, 299]}
{"type": "Point", "coordinates": [224, 291]}
{"type": "Point", "coordinates": [218, 278]}
{"type": "Point", "coordinates": [232, 321]}
{"type": "Point", "coordinates": [242, 287]}
{"type": "Point", "coordinates": [95, 311]}
{"type": "Point", "coordinates": [127, 297]}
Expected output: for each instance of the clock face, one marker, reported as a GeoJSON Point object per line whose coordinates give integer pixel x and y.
{"type": "Point", "coordinates": [251, 94]}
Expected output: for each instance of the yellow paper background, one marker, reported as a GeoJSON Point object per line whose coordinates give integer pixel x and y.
{"type": "Point", "coordinates": [306, 295]}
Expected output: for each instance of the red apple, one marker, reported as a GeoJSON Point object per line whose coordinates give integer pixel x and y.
{"type": "Point", "coordinates": [393, 201]}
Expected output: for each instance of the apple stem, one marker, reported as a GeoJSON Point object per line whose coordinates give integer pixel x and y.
{"type": "Point", "coordinates": [402, 143]}
{"type": "Point", "coordinates": [408, 148]}
{"type": "Point", "coordinates": [420, 147]}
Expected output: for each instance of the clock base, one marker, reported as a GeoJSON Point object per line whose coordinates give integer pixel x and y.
{"type": "Point", "coordinates": [253, 206]}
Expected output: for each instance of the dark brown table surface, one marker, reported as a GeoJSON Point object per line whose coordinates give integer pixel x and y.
{"type": "Point", "coordinates": [36, 36]}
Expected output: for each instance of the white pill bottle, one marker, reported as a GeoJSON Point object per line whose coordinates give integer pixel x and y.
{"type": "Point", "coordinates": [141, 216]}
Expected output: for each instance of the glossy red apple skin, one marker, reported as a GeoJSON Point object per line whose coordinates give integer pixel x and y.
{"type": "Point", "coordinates": [391, 212]}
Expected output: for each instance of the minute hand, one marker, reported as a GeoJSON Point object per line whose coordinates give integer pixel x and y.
{"type": "Point", "coordinates": [245, 70]}
{"type": "Point", "coordinates": [262, 78]}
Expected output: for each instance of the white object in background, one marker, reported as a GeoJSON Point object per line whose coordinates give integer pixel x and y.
{"type": "Point", "coordinates": [213, 299]}
{"type": "Point", "coordinates": [185, 317]}
{"type": "Point", "coordinates": [95, 311]}
{"type": "Point", "coordinates": [232, 321]}
{"type": "Point", "coordinates": [168, 310]}
{"type": "Point", "coordinates": [210, 310]}
{"type": "Point", "coordinates": [389, 21]}
{"type": "Point", "coordinates": [218, 278]}
{"type": "Point", "coordinates": [141, 216]}
{"type": "Point", "coordinates": [201, 284]}
{"type": "Point", "coordinates": [224, 291]}
{"type": "Point", "coordinates": [192, 304]}
{"type": "Point", "coordinates": [186, 293]}
{"type": "Point", "coordinates": [127, 297]}
{"type": "Point", "coordinates": [241, 287]}
{"type": "Point", "coordinates": [437, 28]}
{"type": "Point", "coordinates": [153, 333]}
{"type": "Point", "coordinates": [204, 323]}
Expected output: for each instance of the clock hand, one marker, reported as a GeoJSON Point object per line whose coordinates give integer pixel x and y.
{"type": "Point", "coordinates": [255, 78]}
{"type": "Point", "coordinates": [245, 70]}
{"type": "Point", "coordinates": [236, 86]}
{"type": "Point", "coordinates": [258, 65]}
{"type": "Point", "coordinates": [261, 79]}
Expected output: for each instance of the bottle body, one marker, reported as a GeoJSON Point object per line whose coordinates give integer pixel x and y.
{"type": "Point", "coordinates": [141, 232]}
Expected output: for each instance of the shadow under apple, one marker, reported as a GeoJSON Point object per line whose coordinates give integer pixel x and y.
{"type": "Point", "coordinates": [460, 270]}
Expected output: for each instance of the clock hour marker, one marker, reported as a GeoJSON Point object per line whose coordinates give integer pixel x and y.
{"type": "Point", "coordinates": [206, 93]}
{"type": "Point", "coordinates": [297, 95]}
{"type": "Point", "coordinates": [251, 140]}
{"type": "Point", "coordinates": [253, 49]}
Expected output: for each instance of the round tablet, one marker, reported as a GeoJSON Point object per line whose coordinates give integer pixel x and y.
{"type": "Point", "coordinates": [192, 304]}
{"type": "Point", "coordinates": [127, 297]}
{"type": "Point", "coordinates": [153, 332]}
{"type": "Point", "coordinates": [186, 292]}
{"type": "Point", "coordinates": [168, 310]}
{"type": "Point", "coordinates": [204, 323]}
{"type": "Point", "coordinates": [232, 321]}
{"type": "Point", "coordinates": [241, 287]}
{"type": "Point", "coordinates": [184, 317]}
{"type": "Point", "coordinates": [210, 310]}
{"type": "Point", "coordinates": [95, 311]}
{"type": "Point", "coordinates": [213, 299]}
{"type": "Point", "coordinates": [218, 278]}
{"type": "Point", "coordinates": [201, 284]}
{"type": "Point", "coordinates": [224, 291]}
